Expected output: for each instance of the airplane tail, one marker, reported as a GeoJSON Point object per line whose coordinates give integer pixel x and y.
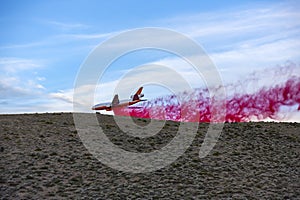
{"type": "Point", "coordinates": [115, 100]}
{"type": "Point", "coordinates": [138, 94]}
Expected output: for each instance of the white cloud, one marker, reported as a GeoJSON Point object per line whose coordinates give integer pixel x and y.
{"type": "Point", "coordinates": [9, 88]}
{"type": "Point", "coordinates": [265, 54]}
{"type": "Point", "coordinates": [14, 65]}
{"type": "Point", "coordinates": [33, 84]}
{"type": "Point", "coordinates": [13, 82]}
{"type": "Point", "coordinates": [233, 23]}
{"type": "Point", "coordinates": [266, 33]}
{"type": "Point", "coordinates": [25, 45]}
{"type": "Point", "coordinates": [39, 78]}
{"type": "Point", "coordinates": [242, 41]}
{"type": "Point", "coordinates": [64, 95]}
{"type": "Point", "coordinates": [87, 36]}
{"type": "Point", "coordinates": [68, 26]}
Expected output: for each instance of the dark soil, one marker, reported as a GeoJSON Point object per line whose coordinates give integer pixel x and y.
{"type": "Point", "coordinates": [43, 157]}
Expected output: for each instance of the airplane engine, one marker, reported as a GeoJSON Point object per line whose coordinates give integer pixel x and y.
{"type": "Point", "coordinates": [139, 96]}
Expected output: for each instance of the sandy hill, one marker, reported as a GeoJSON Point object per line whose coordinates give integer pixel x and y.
{"type": "Point", "coordinates": [42, 157]}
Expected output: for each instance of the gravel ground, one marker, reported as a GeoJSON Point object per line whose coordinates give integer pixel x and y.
{"type": "Point", "coordinates": [42, 157]}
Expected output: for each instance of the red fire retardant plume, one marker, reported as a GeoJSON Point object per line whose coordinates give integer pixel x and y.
{"type": "Point", "coordinates": [263, 104]}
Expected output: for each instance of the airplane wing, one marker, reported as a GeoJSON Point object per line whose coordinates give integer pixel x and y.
{"type": "Point", "coordinates": [115, 100]}
{"type": "Point", "coordinates": [135, 107]}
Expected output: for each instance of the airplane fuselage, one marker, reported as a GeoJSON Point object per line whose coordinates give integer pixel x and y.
{"type": "Point", "coordinates": [109, 106]}
{"type": "Point", "coordinates": [117, 103]}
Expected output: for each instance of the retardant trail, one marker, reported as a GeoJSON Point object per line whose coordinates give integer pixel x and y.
{"type": "Point", "coordinates": [263, 104]}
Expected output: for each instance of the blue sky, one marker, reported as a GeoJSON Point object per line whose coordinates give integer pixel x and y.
{"type": "Point", "coordinates": [43, 43]}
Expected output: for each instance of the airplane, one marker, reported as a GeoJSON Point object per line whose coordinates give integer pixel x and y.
{"type": "Point", "coordinates": [117, 103]}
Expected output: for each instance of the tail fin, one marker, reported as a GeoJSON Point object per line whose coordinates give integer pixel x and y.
{"type": "Point", "coordinates": [138, 94]}
{"type": "Point", "coordinates": [115, 100]}
{"type": "Point", "coordinates": [139, 91]}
